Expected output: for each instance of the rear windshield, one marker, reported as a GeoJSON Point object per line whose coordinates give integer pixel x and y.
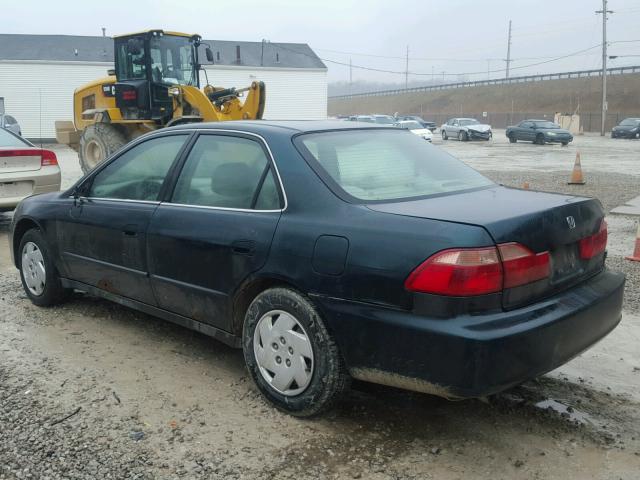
{"type": "Point", "coordinates": [383, 165]}
{"type": "Point", "coordinates": [9, 140]}
{"type": "Point", "coordinates": [410, 125]}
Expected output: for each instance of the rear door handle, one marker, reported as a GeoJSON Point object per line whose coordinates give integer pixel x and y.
{"type": "Point", "coordinates": [244, 247]}
{"type": "Point", "coordinates": [130, 230]}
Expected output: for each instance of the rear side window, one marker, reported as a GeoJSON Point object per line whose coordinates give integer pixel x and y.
{"type": "Point", "coordinates": [9, 140]}
{"type": "Point", "coordinates": [383, 165]}
{"type": "Point", "coordinates": [138, 174]}
{"type": "Point", "coordinates": [227, 172]}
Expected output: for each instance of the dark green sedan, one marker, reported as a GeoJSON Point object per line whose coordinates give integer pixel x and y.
{"type": "Point", "coordinates": [540, 132]}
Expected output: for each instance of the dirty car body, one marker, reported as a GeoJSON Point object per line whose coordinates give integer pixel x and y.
{"type": "Point", "coordinates": [428, 275]}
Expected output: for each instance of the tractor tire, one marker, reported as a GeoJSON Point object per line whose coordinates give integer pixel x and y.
{"type": "Point", "coordinates": [98, 142]}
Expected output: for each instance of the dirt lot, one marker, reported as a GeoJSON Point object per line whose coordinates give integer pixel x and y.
{"type": "Point", "coordinates": [147, 399]}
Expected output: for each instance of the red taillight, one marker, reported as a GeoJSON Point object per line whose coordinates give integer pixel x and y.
{"type": "Point", "coordinates": [521, 265]}
{"type": "Point", "coordinates": [47, 157]}
{"type": "Point", "coordinates": [594, 244]}
{"type": "Point", "coordinates": [458, 272]}
{"type": "Point", "coordinates": [129, 95]}
{"type": "Point", "coordinates": [478, 271]}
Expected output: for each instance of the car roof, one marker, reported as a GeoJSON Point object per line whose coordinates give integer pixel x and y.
{"type": "Point", "coordinates": [275, 126]}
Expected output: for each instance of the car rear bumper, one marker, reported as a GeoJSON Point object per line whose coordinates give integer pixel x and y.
{"type": "Point", "coordinates": [16, 186]}
{"type": "Point", "coordinates": [474, 355]}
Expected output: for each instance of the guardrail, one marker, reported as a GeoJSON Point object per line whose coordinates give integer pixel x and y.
{"type": "Point", "coordinates": [497, 81]}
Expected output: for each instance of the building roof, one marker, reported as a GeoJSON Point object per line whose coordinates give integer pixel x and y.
{"type": "Point", "coordinates": [75, 48]}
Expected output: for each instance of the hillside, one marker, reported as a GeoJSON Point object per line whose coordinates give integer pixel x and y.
{"type": "Point", "coordinates": [535, 99]}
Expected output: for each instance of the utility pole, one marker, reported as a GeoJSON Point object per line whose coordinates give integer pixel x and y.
{"type": "Point", "coordinates": [406, 71]}
{"type": "Point", "coordinates": [604, 13]}
{"type": "Point", "coordinates": [508, 50]}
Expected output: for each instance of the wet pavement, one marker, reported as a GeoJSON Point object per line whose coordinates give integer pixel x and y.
{"type": "Point", "coordinates": [158, 401]}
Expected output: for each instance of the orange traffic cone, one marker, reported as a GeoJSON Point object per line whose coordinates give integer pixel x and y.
{"type": "Point", "coordinates": [525, 185]}
{"type": "Point", "coordinates": [576, 174]}
{"type": "Point", "coordinates": [636, 251]}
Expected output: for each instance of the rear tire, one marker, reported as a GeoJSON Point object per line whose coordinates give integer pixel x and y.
{"type": "Point", "coordinates": [98, 142]}
{"type": "Point", "coordinates": [273, 350]}
{"type": "Point", "coordinates": [38, 273]}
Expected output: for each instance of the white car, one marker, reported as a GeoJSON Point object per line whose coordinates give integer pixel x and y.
{"type": "Point", "coordinates": [24, 170]}
{"type": "Point", "coordinates": [415, 128]}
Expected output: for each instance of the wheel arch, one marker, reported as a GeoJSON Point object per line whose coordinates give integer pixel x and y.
{"type": "Point", "coordinates": [248, 291]}
{"type": "Point", "coordinates": [23, 226]}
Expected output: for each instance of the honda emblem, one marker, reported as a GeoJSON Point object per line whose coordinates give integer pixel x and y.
{"type": "Point", "coordinates": [571, 222]}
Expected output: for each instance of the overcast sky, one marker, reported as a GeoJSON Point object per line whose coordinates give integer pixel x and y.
{"type": "Point", "coordinates": [451, 36]}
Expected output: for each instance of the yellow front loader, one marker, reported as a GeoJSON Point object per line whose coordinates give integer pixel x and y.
{"type": "Point", "coordinates": [155, 84]}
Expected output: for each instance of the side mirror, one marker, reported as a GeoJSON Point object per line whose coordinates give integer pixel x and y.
{"type": "Point", "coordinates": [209, 54]}
{"type": "Point", "coordinates": [111, 72]}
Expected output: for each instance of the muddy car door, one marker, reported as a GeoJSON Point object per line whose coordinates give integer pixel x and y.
{"type": "Point", "coordinates": [216, 226]}
{"type": "Point", "coordinates": [102, 239]}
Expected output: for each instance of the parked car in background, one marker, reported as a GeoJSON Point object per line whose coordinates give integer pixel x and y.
{"type": "Point", "coordinates": [25, 170]}
{"type": "Point", "coordinates": [416, 128]}
{"type": "Point", "coordinates": [539, 132]}
{"type": "Point", "coordinates": [330, 251]}
{"type": "Point", "coordinates": [384, 119]}
{"type": "Point", "coordinates": [628, 128]}
{"type": "Point", "coordinates": [426, 124]}
{"type": "Point", "coordinates": [465, 129]}
{"type": "Point", "coordinates": [9, 123]}
{"type": "Point", "coordinates": [361, 118]}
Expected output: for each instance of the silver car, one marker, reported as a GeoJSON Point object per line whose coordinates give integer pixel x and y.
{"type": "Point", "coordinates": [465, 129]}
{"type": "Point", "coordinates": [25, 170]}
{"type": "Point", "coordinates": [9, 123]}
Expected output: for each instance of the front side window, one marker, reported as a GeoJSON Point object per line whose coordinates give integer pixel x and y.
{"type": "Point", "coordinates": [138, 174]}
{"type": "Point", "coordinates": [384, 165]}
{"type": "Point", "coordinates": [227, 172]}
{"type": "Point", "coordinates": [172, 60]}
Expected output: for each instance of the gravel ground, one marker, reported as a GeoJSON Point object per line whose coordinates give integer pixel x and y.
{"type": "Point", "coordinates": [92, 390]}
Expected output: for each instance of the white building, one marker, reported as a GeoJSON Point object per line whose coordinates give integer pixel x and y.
{"type": "Point", "coordinates": [38, 74]}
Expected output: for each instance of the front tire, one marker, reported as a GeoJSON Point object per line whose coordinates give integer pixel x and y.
{"type": "Point", "coordinates": [98, 142]}
{"type": "Point", "coordinates": [444, 135]}
{"type": "Point", "coordinates": [292, 358]}
{"type": "Point", "coordinates": [462, 136]}
{"type": "Point", "coordinates": [512, 138]}
{"type": "Point", "coordinates": [539, 139]}
{"type": "Point", "coordinates": [39, 275]}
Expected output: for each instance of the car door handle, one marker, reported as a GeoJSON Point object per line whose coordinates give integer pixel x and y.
{"type": "Point", "coordinates": [244, 247]}
{"type": "Point", "coordinates": [130, 230]}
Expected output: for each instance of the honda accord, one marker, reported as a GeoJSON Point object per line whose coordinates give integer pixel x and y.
{"type": "Point", "coordinates": [329, 251]}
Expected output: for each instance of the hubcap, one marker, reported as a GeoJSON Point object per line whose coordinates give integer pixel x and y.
{"type": "Point", "coordinates": [33, 269]}
{"type": "Point", "coordinates": [283, 352]}
{"type": "Point", "coordinates": [94, 153]}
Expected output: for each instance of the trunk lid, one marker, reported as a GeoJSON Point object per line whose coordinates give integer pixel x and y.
{"type": "Point", "coordinates": [538, 220]}
{"type": "Point", "coordinates": [23, 159]}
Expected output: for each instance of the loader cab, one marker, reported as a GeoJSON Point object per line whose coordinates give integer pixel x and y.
{"type": "Point", "coordinates": [147, 65]}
